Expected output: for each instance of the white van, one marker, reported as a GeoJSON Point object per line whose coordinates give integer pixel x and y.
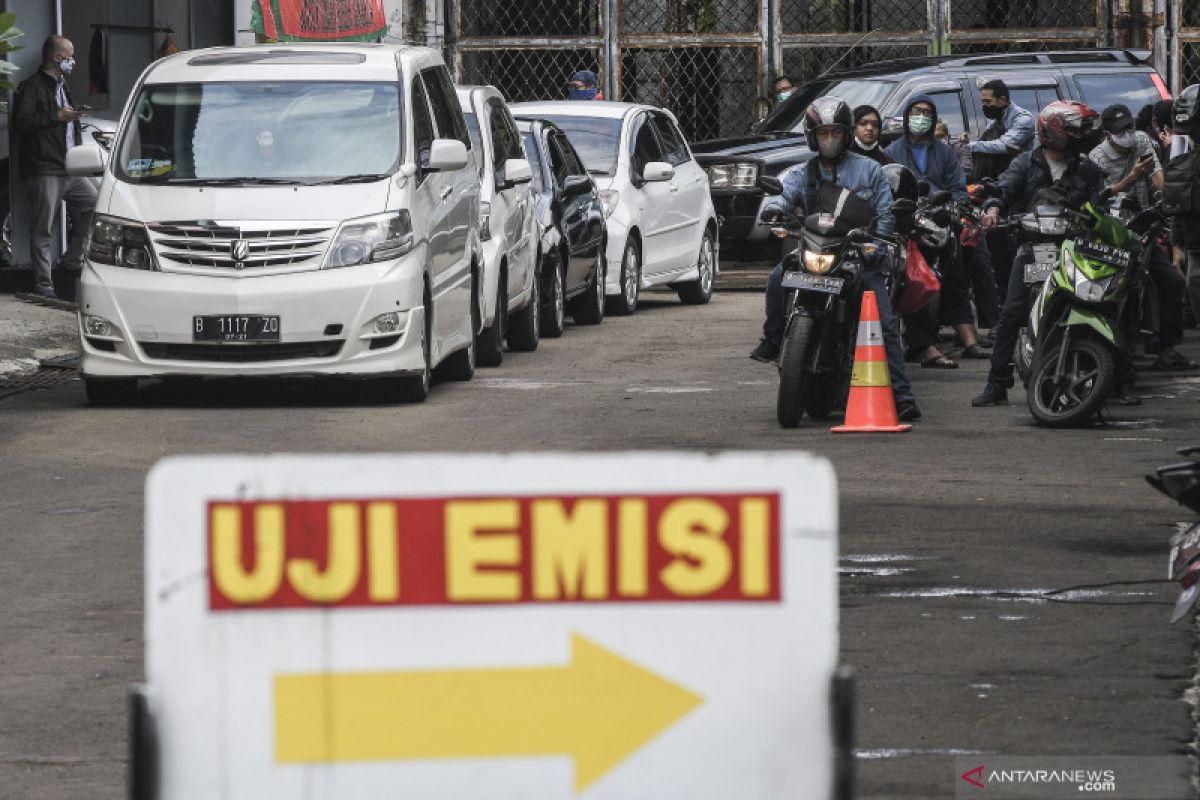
{"type": "Point", "coordinates": [284, 210]}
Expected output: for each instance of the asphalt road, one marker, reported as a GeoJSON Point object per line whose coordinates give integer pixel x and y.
{"type": "Point", "coordinates": [961, 542]}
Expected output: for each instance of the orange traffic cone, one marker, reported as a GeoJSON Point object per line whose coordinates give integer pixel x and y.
{"type": "Point", "coordinates": [871, 408]}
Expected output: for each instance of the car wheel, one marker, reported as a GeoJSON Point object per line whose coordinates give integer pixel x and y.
{"type": "Point", "coordinates": [415, 388]}
{"type": "Point", "coordinates": [489, 345]}
{"type": "Point", "coordinates": [109, 392]}
{"type": "Point", "coordinates": [700, 291]}
{"type": "Point", "coordinates": [554, 320]}
{"type": "Point", "coordinates": [525, 326]}
{"type": "Point", "coordinates": [460, 365]}
{"type": "Point", "coordinates": [588, 308]}
{"type": "Point", "coordinates": [625, 303]}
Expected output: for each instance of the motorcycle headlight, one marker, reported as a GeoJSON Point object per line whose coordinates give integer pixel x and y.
{"type": "Point", "coordinates": [120, 243]}
{"type": "Point", "coordinates": [1090, 291]}
{"type": "Point", "coordinates": [732, 176]}
{"type": "Point", "coordinates": [608, 201]}
{"type": "Point", "coordinates": [818, 263]}
{"type": "Point", "coordinates": [369, 239]}
{"type": "Point", "coordinates": [1052, 226]}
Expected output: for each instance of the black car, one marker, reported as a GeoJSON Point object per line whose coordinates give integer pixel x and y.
{"type": "Point", "coordinates": [570, 221]}
{"type": "Point", "coordinates": [1097, 77]}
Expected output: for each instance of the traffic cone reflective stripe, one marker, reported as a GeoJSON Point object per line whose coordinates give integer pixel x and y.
{"type": "Point", "coordinates": [870, 408]}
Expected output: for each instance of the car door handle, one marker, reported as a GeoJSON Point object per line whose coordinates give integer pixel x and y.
{"type": "Point", "coordinates": [674, 188]}
{"type": "Point", "coordinates": [446, 192]}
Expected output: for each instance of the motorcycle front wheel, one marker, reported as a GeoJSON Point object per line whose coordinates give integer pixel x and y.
{"type": "Point", "coordinates": [1073, 397]}
{"type": "Point", "coordinates": [794, 377]}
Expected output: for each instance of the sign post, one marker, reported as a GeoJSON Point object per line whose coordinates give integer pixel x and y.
{"type": "Point", "coordinates": [525, 626]}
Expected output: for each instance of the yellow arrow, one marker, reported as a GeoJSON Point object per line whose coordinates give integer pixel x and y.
{"type": "Point", "coordinates": [599, 709]}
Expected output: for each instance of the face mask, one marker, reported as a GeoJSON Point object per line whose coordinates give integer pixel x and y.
{"type": "Point", "coordinates": [582, 94]}
{"type": "Point", "coordinates": [993, 112]}
{"type": "Point", "coordinates": [1124, 139]}
{"type": "Point", "coordinates": [920, 125]}
{"type": "Point", "coordinates": [830, 149]}
{"type": "Point", "coordinates": [866, 146]}
{"type": "Point", "coordinates": [66, 65]}
{"type": "Point", "coordinates": [784, 95]}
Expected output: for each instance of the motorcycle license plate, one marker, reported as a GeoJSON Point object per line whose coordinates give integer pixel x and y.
{"type": "Point", "coordinates": [1099, 251]}
{"type": "Point", "coordinates": [815, 283]}
{"type": "Point", "coordinates": [1045, 261]}
{"type": "Point", "coordinates": [236, 328]}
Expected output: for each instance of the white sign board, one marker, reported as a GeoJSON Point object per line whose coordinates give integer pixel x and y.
{"type": "Point", "coordinates": [486, 626]}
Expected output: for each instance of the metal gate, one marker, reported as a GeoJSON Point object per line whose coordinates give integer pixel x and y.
{"type": "Point", "coordinates": [711, 61]}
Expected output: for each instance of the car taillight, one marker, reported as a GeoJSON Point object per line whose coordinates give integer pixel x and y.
{"type": "Point", "coordinates": [1163, 94]}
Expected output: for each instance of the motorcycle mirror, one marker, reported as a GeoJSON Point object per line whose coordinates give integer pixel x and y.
{"type": "Point", "coordinates": [923, 188]}
{"type": "Point", "coordinates": [770, 184]}
{"type": "Point", "coordinates": [904, 206]}
{"type": "Point", "coordinates": [939, 198]}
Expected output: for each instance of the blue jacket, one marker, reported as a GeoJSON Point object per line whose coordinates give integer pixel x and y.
{"type": "Point", "coordinates": [1018, 136]}
{"type": "Point", "coordinates": [859, 174]}
{"type": "Point", "coordinates": [942, 168]}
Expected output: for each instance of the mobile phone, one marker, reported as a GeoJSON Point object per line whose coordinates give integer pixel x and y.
{"type": "Point", "coordinates": [83, 109]}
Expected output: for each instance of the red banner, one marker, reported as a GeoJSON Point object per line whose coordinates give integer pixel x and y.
{"type": "Point", "coordinates": [493, 550]}
{"type": "Point", "coordinates": [321, 20]}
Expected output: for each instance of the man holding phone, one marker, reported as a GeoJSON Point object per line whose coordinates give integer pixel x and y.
{"type": "Point", "coordinates": [1131, 166]}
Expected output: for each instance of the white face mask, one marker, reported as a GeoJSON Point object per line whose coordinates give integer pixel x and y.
{"type": "Point", "coordinates": [1125, 138]}
{"type": "Point", "coordinates": [66, 65]}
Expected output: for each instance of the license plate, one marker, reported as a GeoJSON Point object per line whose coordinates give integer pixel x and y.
{"type": "Point", "coordinates": [1099, 251]}
{"type": "Point", "coordinates": [236, 328]}
{"type": "Point", "coordinates": [1045, 261]}
{"type": "Point", "coordinates": [1037, 273]}
{"type": "Point", "coordinates": [815, 283]}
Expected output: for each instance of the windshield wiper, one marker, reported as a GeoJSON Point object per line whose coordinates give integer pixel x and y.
{"type": "Point", "coordinates": [243, 181]}
{"type": "Point", "coordinates": [364, 178]}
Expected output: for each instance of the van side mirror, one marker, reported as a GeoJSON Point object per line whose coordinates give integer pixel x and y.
{"type": "Point", "coordinates": [448, 155]}
{"type": "Point", "coordinates": [658, 171]}
{"type": "Point", "coordinates": [104, 138]}
{"type": "Point", "coordinates": [576, 185]}
{"type": "Point", "coordinates": [86, 160]}
{"type": "Point", "coordinates": [517, 170]}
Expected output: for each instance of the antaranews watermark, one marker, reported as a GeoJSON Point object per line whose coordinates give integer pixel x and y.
{"type": "Point", "coordinates": [1073, 777]}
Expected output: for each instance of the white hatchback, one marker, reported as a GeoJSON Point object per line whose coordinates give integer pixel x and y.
{"type": "Point", "coordinates": [511, 293]}
{"type": "Point", "coordinates": [662, 229]}
{"type": "Point", "coordinates": [284, 210]}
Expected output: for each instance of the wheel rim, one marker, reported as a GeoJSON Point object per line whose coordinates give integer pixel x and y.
{"type": "Point", "coordinates": [600, 279]}
{"type": "Point", "coordinates": [560, 306]}
{"type": "Point", "coordinates": [706, 264]}
{"type": "Point", "coordinates": [426, 348]}
{"type": "Point", "coordinates": [1059, 396]}
{"type": "Point", "coordinates": [535, 305]}
{"type": "Point", "coordinates": [630, 269]}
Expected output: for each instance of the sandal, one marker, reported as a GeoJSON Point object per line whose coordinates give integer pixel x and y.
{"type": "Point", "coordinates": [939, 361]}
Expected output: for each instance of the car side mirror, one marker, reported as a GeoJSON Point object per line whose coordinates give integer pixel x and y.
{"type": "Point", "coordinates": [770, 184]}
{"type": "Point", "coordinates": [892, 128]}
{"type": "Point", "coordinates": [86, 160]}
{"type": "Point", "coordinates": [447, 155]}
{"type": "Point", "coordinates": [104, 138]}
{"type": "Point", "coordinates": [657, 171]}
{"type": "Point", "coordinates": [517, 170]}
{"type": "Point", "coordinates": [576, 185]}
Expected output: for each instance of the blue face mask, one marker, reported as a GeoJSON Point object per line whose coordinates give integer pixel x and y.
{"type": "Point", "coordinates": [582, 94]}
{"type": "Point", "coordinates": [66, 65]}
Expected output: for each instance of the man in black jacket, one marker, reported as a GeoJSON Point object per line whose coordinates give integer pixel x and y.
{"type": "Point", "coordinates": [47, 125]}
{"type": "Point", "coordinates": [1060, 163]}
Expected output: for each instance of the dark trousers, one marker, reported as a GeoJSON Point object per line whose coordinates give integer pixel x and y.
{"type": "Point", "coordinates": [46, 192]}
{"type": "Point", "coordinates": [978, 263]}
{"type": "Point", "coordinates": [874, 280]}
{"type": "Point", "coordinates": [1013, 317]}
{"type": "Point", "coordinates": [1003, 250]}
{"type": "Point", "coordinates": [1170, 286]}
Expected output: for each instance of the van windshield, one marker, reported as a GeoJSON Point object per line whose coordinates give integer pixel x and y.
{"type": "Point", "coordinates": [286, 132]}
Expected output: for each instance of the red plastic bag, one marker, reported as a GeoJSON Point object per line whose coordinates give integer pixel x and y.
{"type": "Point", "coordinates": [921, 283]}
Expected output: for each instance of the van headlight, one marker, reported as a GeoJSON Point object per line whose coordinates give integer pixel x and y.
{"type": "Point", "coordinates": [818, 263]}
{"type": "Point", "coordinates": [121, 243]}
{"type": "Point", "coordinates": [369, 239]}
{"type": "Point", "coordinates": [732, 176]}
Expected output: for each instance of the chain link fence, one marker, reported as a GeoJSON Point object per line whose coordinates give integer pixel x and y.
{"type": "Point", "coordinates": [711, 90]}
{"type": "Point", "coordinates": [1188, 26]}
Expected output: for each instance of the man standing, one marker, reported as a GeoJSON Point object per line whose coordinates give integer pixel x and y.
{"type": "Point", "coordinates": [1008, 134]}
{"type": "Point", "coordinates": [1181, 195]}
{"type": "Point", "coordinates": [781, 89]}
{"type": "Point", "coordinates": [47, 125]}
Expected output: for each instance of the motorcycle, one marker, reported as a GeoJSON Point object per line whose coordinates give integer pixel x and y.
{"type": "Point", "coordinates": [823, 281]}
{"type": "Point", "coordinates": [1076, 319]}
{"type": "Point", "coordinates": [1181, 482]}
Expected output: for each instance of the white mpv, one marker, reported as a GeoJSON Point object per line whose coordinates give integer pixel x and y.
{"type": "Point", "coordinates": [284, 210]}
{"type": "Point", "coordinates": [662, 229]}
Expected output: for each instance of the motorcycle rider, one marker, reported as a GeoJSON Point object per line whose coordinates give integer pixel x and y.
{"type": "Point", "coordinates": [1066, 131]}
{"type": "Point", "coordinates": [1182, 179]}
{"type": "Point", "coordinates": [828, 126]}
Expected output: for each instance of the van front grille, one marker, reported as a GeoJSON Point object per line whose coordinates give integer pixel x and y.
{"type": "Point", "coordinates": [213, 245]}
{"type": "Point", "coordinates": [241, 353]}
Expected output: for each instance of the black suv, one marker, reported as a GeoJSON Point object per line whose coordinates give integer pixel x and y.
{"type": "Point", "coordinates": [1097, 77]}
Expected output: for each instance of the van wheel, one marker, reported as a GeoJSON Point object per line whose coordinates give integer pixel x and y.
{"type": "Point", "coordinates": [110, 392]}
{"type": "Point", "coordinates": [525, 326]}
{"type": "Point", "coordinates": [489, 345]}
{"type": "Point", "coordinates": [460, 365]}
{"type": "Point", "coordinates": [415, 388]}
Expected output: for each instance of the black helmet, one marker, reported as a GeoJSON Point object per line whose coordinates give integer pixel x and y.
{"type": "Point", "coordinates": [903, 182]}
{"type": "Point", "coordinates": [826, 111]}
{"type": "Point", "coordinates": [1184, 118]}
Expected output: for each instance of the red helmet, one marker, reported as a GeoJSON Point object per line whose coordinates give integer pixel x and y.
{"type": "Point", "coordinates": [1067, 125]}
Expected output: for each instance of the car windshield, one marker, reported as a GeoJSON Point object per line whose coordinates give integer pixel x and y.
{"type": "Point", "coordinates": [790, 115]}
{"type": "Point", "coordinates": [258, 132]}
{"type": "Point", "coordinates": [597, 140]}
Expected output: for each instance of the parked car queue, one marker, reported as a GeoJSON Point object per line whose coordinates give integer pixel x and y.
{"type": "Point", "coordinates": [345, 210]}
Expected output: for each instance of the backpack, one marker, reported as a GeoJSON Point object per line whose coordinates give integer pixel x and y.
{"type": "Point", "coordinates": [1181, 190]}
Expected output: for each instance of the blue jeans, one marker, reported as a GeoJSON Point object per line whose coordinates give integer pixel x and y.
{"type": "Point", "coordinates": [874, 280]}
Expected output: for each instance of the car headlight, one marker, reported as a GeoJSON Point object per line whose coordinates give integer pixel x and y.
{"type": "Point", "coordinates": [120, 243]}
{"type": "Point", "coordinates": [379, 238]}
{"type": "Point", "coordinates": [485, 221]}
{"type": "Point", "coordinates": [732, 176]}
{"type": "Point", "coordinates": [818, 263]}
{"type": "Point", "coordinates": [608, 201]}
